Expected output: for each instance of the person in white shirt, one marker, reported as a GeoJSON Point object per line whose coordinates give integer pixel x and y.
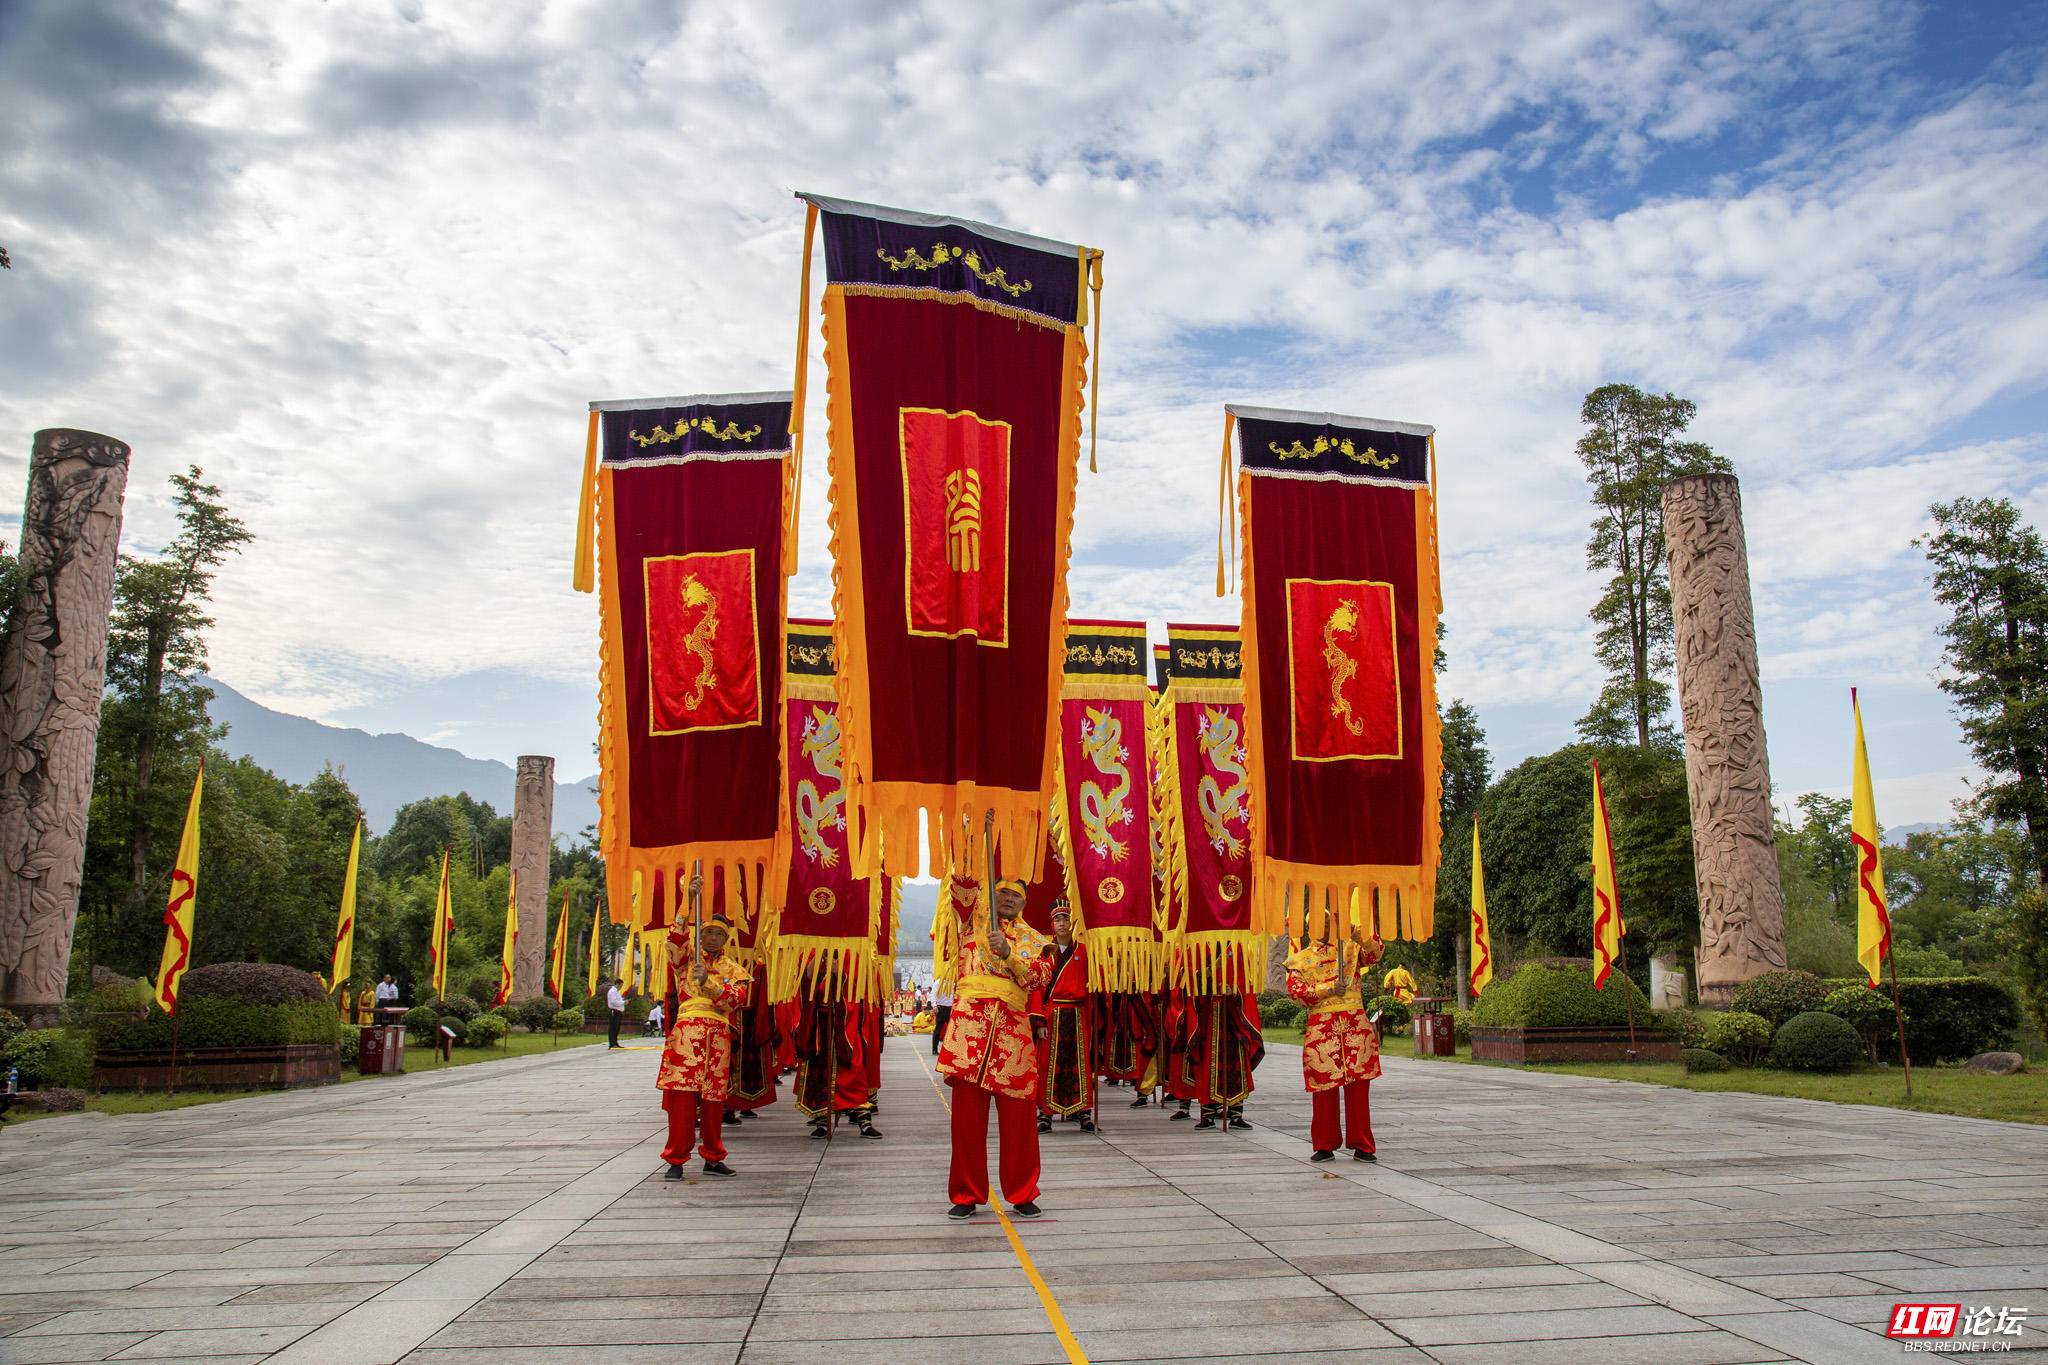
{"type": "Point", "coordinates": [387, 997]}
{"type": "Point", "coordinates": [615, 1001]}
{"type": "Point", "coordinates": [654, 1020]}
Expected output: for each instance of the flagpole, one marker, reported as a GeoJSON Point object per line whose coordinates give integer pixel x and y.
{"type": "Point", "coordinates": [1628, 998]}
{"type": "Point", "coordinates": [171, 1081]}
{"type": "Point", "coordinates": [1899, 1013]}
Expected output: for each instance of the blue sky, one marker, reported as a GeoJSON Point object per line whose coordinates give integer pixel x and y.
{"type": "Point", "coordinates": [367, 263]}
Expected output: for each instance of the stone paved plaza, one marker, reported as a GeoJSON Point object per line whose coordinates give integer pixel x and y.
{"type": "Point", "coordinates": [513, 1212]}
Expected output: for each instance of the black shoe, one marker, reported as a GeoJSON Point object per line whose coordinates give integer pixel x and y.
{"type": "Point", "coordinates": [961, 1212]}
{"type": "Point", "coordinates": [1324, 1154]}
{"type": "Point", "coordinates": [1239, 1121]}
{"type": "Point", "coordinates": [615, 1047]}
{"type": "Point", "coordinates": [1141, 1101]}
{"type": "Point", "coordinates": [718, 1168]}
{"type": "Point", "coordinates": [1178, 1115]}
{"type": "Point", "coordinates": [1027, 1209]}
{"type": "Point", "coordinates": [868, 1130]}
{"type": "Point", "coordinates": [731, 1121]}
{"type": "Point", "coordinates": [675, 1171]}
{"type": "Point", "coordinates": [1362, 1155]}
{"type": "Point", "coordinates": [1087, 1123]}
{"type": "Point", "coordinates": [1045, 1125]}
{"type": "Point", "coordinates": [819, 1130]}
{"type": "Point", "coordinates": [1204, 1122]}
{"type": "Point", "coordinates": [748, 1114]}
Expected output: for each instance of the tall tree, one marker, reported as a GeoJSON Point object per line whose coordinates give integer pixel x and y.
{"type": "Point", "coordinates": [1991, 573]}
{"type": "Point", "coordinates": [1631, 448]}
{"type": "Point", "coordinates": [1821, 847]}
{"type": "Point", "coordinates": [1467, 765]}
{"type": "Point", "coordinates": [156, 645]}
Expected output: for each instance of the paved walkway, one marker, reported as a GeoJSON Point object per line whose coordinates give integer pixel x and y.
{"type": "Point", "coordinates": [512, 1212]}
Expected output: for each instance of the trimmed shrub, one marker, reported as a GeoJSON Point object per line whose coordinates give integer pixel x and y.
{"type": "Point", "coordinates": [49, 1057]}
{"type": "Point", "coordinates": [1954, 1017]}
{"type": "Point", "coordinates": [255, 983]}
{"type": "Point", "coordinates": [220, 1021]}
{"type": "Point", "coordinates": [462, 1007]}
{"type": "Point", "coordinates": [567, 1021]}
{"type": "Point", "coordinates": [1699, 1061]}
{"type": "Point", "coordinates": [1867, 1011]}
{"type": "Point", "coordinates": [349, 1046]}
{"type": "Point", "coordinates": [1539, 996]}
{"type": "Point", "coordinates": [1683, 1025]}
{"type": "Point", "coordinates": [1741, 1037]}
{"type": "Point", "coordinates": [1461, 1026]}
{"type": "Point", "coordinates": [480, 985]}
{"type": "Point", "coordinates": [419, 1022]}
{"type": "Point", "coordinates": [487, 1030]}
{"type": "Point", "coordinates": [534, 1013]}
{"type": "Point", "coordinates": [1394, 1015]}
{"type": "Point", "coordinates": [1922, 961]}
{"type": "Point", "coordinates": [458, 1027]}
{"type": "Point", "coordinates": [11, 1027]}
{"type": "Point", "coordinates": [1815, 1041]}
{"type": "Point", "coordinates": [1283, 1013]}
{"type": "Point", "coordinates": [637, 1007]}
{"type": "Point", "coordinates": [1777, 996]}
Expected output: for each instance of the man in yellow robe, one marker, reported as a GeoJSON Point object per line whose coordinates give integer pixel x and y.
{"type": "Point", "coordinates": [696, 1064]}
{"type": "Point", "coordinates": [1340, 1054]}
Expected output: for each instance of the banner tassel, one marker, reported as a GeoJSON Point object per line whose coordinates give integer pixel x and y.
{"type": "Point", "coordinates": [1224, 518]}
{"type": "Point", "coordinates": [583, 578]}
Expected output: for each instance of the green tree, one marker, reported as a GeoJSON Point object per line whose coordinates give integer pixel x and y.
{"type": "Point", "coordinates": [156, 650]}
{"type": "Point", "coordinates": [1991, 573]}
{"type": "Point", "coordinates": [1467, 765]}
{"type": "Point", "coordinates": [1631, 448]}
{"type": "Point", "coordinates": [1821, 849]}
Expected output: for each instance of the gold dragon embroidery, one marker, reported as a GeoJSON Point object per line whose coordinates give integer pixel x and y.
{"type": "Point", "coordinates": [813, 811]}
{"type": "Point", "coordinates": [1219, 744]}
{"type": "Point", "coordinates": [685, 425]}
{"type": "Point", "coordinates": [991, 275]}
{"type": "Point", "coordinates": [1343, 446]}
{"type": "Point", "coordinates": [1102, 740]}
{"type": "Point", "coordinates": [698, 641]}
{"type": "Point", "coordinates": [1343, 668]}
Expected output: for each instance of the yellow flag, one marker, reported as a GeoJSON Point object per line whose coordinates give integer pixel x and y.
{"type": "Point", "coordinates": [505, 960]}
{"type": "Point", "coordinates": [560, 961]}
{"type": "Point", "coordinates": [596, 922]}
{"type": "Point", "coordinates": [1607, 925]}
{"type": "Point", "coordinates": [1482, 932]}
{"type": "Point", "coordinates": [1873, 917]}
{"type": "Point", "coordinates": [343, 964]}
{"type": "Point", "coordinates": [444, 930]}
{"type": "Point", "coordinates": [179, 907]}
{"type": "Point", "coordinates": [629, 964]}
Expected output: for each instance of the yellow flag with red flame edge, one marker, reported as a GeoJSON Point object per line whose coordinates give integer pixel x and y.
{"type": "Point", "coordinates": [1873, 916]}
{"type": "Point", "coordinates": [178, 910]}
{"type": "Point", "coordinates": [1482, 931]}
{"type": "Point", "coordinates": [560, 960]}
{"type": "Point", "coordinates": [596, 937]}
{"type": "Point", "coordinates": [1607, 925]}
{"type": "Point", "coordinates": [444, 930]}
{"type": "Point", "coordinates": [342, 966]}
{"type": "Point", "coordinates": [506, 960]}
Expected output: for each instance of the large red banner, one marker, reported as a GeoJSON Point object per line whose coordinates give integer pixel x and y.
{"type": "Point", "coordinates": [687, 517]}
{"type": "Point", "coordinates": [1107, 801]}
{"type": "Point", "coordinates": [955, 366]}
{"type": "Point", "coordinates": [1216, 939]}
{"type": "Point", "coordinates": [1340, 608]}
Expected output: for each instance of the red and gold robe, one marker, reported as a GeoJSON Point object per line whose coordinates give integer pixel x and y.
{"type": "Point", "coordinates": [698, 1057]}
{"type": "Point", "coordinates": [1341, 1045]}
{"type": "Point", "coordinates": [1066, 1059]}
{"type": "Point", "coordinates": [1222, 1047]}
{"type": "Point", "coordinates": [988, 1036]}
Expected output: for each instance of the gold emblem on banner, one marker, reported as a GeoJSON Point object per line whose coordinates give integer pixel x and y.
{"type": "Point", "coordinates": [991, 275]}
{"type": "Point", "coordinates": [963, 520]}
{"type": "Point", "coordinates": [700, 638]}
{"type": "Point", "coordinates": [1230, 888]}
{"type": "Point", "coordinates": [685, 425]}
{"type": "Point", "coordinates": [1110, 889]}
{"type": "Point", "coordinates": [822, 899]}
{"type": "Point", "coordinates": [1343, 668]}
{"type": "Point", "coordinates": [1343, 446]}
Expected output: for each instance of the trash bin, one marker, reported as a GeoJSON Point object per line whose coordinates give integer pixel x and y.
{"type": "Point", "coordinates": [1435, 1034]}
{"type": "Point", "coordinates": [380, 1050]}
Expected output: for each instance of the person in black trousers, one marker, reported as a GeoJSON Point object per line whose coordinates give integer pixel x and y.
{"type": "Point", "coordinates": [615, 1001]}
{"type": "Point", "coordinates": [942, 1010]}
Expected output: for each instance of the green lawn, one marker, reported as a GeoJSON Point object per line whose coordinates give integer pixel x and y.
{"type": "Point", "coordinates": [417, 1059]}
{"type": "Point", "coordinates": [1936, 1089]}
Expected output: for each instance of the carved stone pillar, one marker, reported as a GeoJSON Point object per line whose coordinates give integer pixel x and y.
{"type": "Point", "coordinates": [53, 663]}
{"type": "Point", "coordinates": [1727, 769]}
{"type": "Point", "coordinates": [533, 832]}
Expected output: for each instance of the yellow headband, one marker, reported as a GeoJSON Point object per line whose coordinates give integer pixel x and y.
{"type": "Point", "coordinates": [1016, 883]}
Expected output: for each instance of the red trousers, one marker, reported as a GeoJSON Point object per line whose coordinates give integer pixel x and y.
{"type": "Point", "coordinates": [682, 1107]}
{"type": "Point", "coordinates": [1323, 1132]}
{"type": "Point", "coordinates": [1017, 1122]}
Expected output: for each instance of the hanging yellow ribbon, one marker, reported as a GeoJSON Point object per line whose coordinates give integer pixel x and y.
{"type": "Point", "coordinates": [796, 405]}
{"type": "Point", "coordinates": [1226, 520]}
{"type": "Point", "coordinates": [584, 577]}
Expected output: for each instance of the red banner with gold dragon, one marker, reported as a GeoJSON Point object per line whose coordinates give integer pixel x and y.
{"type": "Point", "coordinates": [1341, 598]}
{"type": "Point", "coordinates": [1215, 940]}
{"type": "Point", "coordinates": [836, 938]}
{"type": "Point", "coordinates": [683, 533]}
{"type": "Point", "coordinates": [1106, 799]}
{"type": "Point", "coordinates": [955, 366]}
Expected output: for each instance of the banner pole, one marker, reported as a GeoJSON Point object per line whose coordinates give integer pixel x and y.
{"type": "Point", "coordinates": [171, 1081]}
{"type": "Point", "coordinates": [1899, 1013]}
{"type": "Point", "coordinates": [1628, 997]}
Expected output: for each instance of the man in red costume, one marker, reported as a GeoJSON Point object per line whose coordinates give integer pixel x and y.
{"type": "Point", "coordinates": [1224, 1048]}
{"type": "Point", "coordinates": [696, 1065]}
{"type": "Point", "coordinates": [1341, 1049]}
{"type": "Point", "coordinates": [840, 1066]}
{"type": "Point", "coordinates": [1066, 1057]}
{"type": "Point", "coordinates": [987, 1053]}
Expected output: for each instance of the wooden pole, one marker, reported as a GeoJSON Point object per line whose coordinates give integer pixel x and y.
{"type": "Point", "coordinates": [171, 1081]}
{"type": "Point", "coordinates": [1628, 995]}
{"type": "Point", "coordinates": [1899, 1013]}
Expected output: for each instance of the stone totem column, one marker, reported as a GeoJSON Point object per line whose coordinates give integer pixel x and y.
{"type": "Point", "coordinates": [1727, 770]}
{"type": "Point", "coordinates": [53, 663]}
{"type": "Point", "coordinates": [533, 832]}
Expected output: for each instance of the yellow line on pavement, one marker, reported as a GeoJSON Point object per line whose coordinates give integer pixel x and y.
{"type": "Point", "coordinates": [1046, 1300]}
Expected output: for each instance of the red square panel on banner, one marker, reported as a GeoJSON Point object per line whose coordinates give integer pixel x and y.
{"type": "Point", "coordinates": [1344, 670]}
{"type": "Point", "coordinates": [703, 655]}
{"type": "Point", "coordinates": [956, 515]}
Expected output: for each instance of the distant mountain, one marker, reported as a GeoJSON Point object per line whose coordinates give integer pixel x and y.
{"type": "Point", "coordinates": [385, 771]}
{"type": "Point", "coordinates": [1895, 836]}
{"type": "Point", "coordinates": [914, 924]}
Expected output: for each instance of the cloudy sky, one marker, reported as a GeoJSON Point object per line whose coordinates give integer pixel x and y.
{"type": "Point", "coordinates": [367, 261]}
